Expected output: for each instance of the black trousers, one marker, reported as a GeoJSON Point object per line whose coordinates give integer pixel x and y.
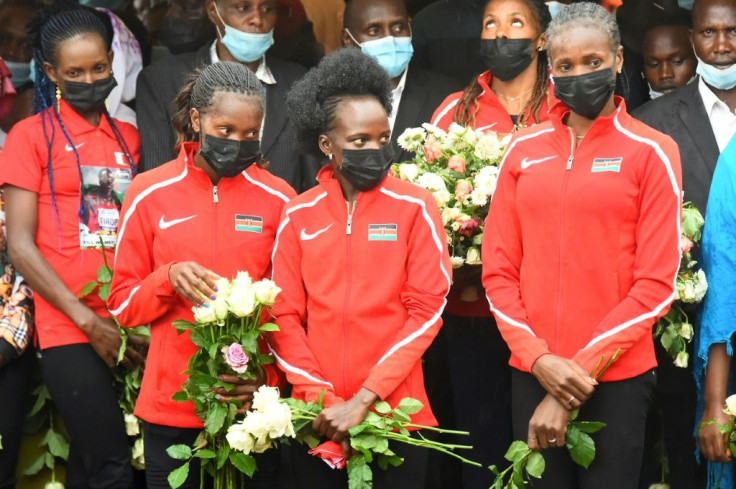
{"type": "Point", "coordinates": [157, 438]}
{"type": "Point", "coordinates": [81, 386]}
{"type": "Point", "coordinates": [310, 472]}
{"type": "Point", "coordinates": [13, 404]}
{"type": "Point", "coordinates": [621, 405]}
{"type": "Point", "coordinates": [481, 391]}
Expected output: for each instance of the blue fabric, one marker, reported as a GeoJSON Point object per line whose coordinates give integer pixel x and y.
{"type": "Point", "coordinates": [718, 319]}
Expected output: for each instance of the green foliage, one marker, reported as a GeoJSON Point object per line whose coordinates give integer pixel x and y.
{"type": "Point", "coordinates": [178, 476]}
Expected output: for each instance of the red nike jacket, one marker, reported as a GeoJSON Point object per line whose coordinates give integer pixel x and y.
{"type": "Point", "coordinates": [173, 213]}
{"type": "Point", "coordinates": [581, 245]}
{"type": "Point", "coordinates": [364, 287]}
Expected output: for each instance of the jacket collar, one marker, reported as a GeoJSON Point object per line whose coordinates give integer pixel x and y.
{"type": "Point", "coordinates": [559, 112]}
{"type": "Point", "coordinates": [75, 124]}
{"type": "Point", "coordinates": [329, 182]}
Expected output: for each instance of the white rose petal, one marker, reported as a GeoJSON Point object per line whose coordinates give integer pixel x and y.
{"type": "Point", "coordinates": [434, 130]}
{"type": "Point", "coordinates": [266, 291]}
{"type": "Point", "coordinates": [239, 439]}
{"type": "Point", "coordinates": [442, 196]}
{"type": "Point", "coordinates": [450, 214]}
{"type": "Point", "coordinates": [700, 287]}
{"type": "Point", "coordinates": [137, 454]}
{"type": "Point", "coordinates": [431, 182]}
{"type": "Point", "coordinates": [256, 424]}
{"type": "Point", "coordinates": [53, 485]}
{"type": "Point", "coordinates": [220, 302]}
{"type": "Point", "coordinates": [265, 397]}
{"type": "Point", "coordinates": [730, 405]}
{"type": "Point", "coordinates": [478, 197]}
{"type": "Point", "coordinates": [686, 331]}
{"type": "Point", "coordinates": [408, 172]}
{"type": "Point", "coordinates": [204, 314]}
{"type": "Point", "coordinates": [242, 299]}
{"type": "Point", "coordinates": [457, 261]}
{"type": "Point", "coordinates": [411, 139]}
{"type": "Point", "coordinates": [682, 359]}
{"type": "Point", "coordinates": [473, 256]}
{"type": "Point", "coordinates": [132, 426]}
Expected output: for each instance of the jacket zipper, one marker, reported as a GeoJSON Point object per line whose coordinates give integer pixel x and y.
{"type": "Point", "coordinates": [348, 233]}
{"type": "Point", "coordinates": [560, 284]}
{"type": "Point", "coordinates": [215, 197]}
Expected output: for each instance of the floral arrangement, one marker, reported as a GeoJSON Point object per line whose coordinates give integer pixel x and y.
{"type": "Point", "coordinates": [460, 168]}
{"type": "Point", "coordinates": [674, 329]}
{"type": "Point", "coordinates": [227, 333]}
{"type": "Point", "coordinates": [526, 462]}
{"type": "Point", "coordinates": [728, 431]}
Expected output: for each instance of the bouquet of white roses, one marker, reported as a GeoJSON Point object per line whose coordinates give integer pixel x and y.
{"type": "Point", "coordinates": [674, 329]}
{"type": "Point", "coordinates": [460, 168]}
{"type": "Point", "coordinates": [228, 334]}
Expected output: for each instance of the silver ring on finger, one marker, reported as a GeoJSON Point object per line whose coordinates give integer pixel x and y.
{"type": "Point", "coordinates": [552, 440]}
{"type": "Point", "coordinates": [571, 400]}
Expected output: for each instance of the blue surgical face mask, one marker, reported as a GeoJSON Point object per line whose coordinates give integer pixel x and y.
{"type": "Point", "coordinates": [246, 47]}
{"type": "Point", "coordinates": [654, 93]}
{"type": "Point", "coordinates": [20, 73]}
{"type": "Point", "coordinates": [687, 4]}
{"type": "Point", "coordinates": [722, 79]}
{"type": "Point", "coordinates": [393, 53]}
{"type": "Point", "coordinates": [554, 8]}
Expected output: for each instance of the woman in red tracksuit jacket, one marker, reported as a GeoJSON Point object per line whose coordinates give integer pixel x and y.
{"type": "Point", "coordinates": [580, 256]}
{"type": "Point", "coordinates": [363, 264]}
{"type": "Point", "coordinates": [179, 233]}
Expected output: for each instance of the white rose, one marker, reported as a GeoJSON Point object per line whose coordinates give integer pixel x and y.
{"type": "Point", "coordinates": [411, 139]}
{"type": "Point", "coordinates": [473, 256]}
{"type": "Point", "coordinates": [434, 130]}
{"type": "Point", "coordinates": [279, 421]}
{"type": "Point", "coordinates": [442, 197]}
{"type": "Point", "coordinates": [659, 486]}
{"type": "Point", "coordinates": [262, 444]}
{"type": "Point", "coordinates": [455, 225]}
{"type": "Point", "coordinates": [220, 302]}
{"type": "Point", "coordinates": [450, 214]}
{"type": "Point", "coordinates": [485, 182]}
{"type": "Point", "coordinates": [686, 291]}
{"type": "Point", "coordinates": [686, 331]}
{"type": "Point", "coordinates": [431, 181]}
{"type": "Point", "coordinates": [132, 428]}
{"type": "Point", "coordinates": [242, 299]}
{"type": "Point", "coordinates": [730, 405]}
{"type": "Point", "coordinates": [682, 359]}
{"type": "Point", "coordinates": [53, 485]}
{"type": "Point", "coordinates": [266, 291]}
{"type": "Point", "coordinates": [137, 454]}
{"type": "Point", "coordinates": [265, 397]}
{"type": "Point", "coordinates": [478, 197]}
{"type": "Point", "coordinates": [256, 423]}
{"type": "Point", "coordinates": [408, 172]}
{"type": "Point", "coordinates": [488, 148]}
{"type": "Point", "coordinates": [456, 128]}
{"type": "Point", "coordinates": [205, 314]}
{"type": "Point", "coordinates": [457, 261]}
{"type": "Point", "coordinates": [700, 287]}
{"type": "Point", "coordinates": [239, 439]}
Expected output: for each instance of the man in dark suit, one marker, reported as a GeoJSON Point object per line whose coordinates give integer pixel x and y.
{"type": "Point", "coordinates": [381, 29]}
{"type": "Point", "coordinates": [244, 33]}
{"type": "Point", "coordinates": [700, 118]}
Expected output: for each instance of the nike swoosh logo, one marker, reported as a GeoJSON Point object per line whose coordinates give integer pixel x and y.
{"type": "Point", "coordinates": [526, 162]}
{"type": "Point", "coordinates": [69, 147]}
{"type": "Point", "coordinates": [164, 224]}
{"type": "Point", "coordinates": [305, 236]}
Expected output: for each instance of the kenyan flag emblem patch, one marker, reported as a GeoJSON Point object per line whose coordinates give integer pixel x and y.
{"type": "Point", "coordinates": [250, 224]}
{"type": "Point", "coordinates": [382, 232]}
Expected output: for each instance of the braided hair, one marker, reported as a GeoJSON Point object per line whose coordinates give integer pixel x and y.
{"type": "Point", "coordinates": [312, 101]}
{"type": "Point", "coordinates": [200, 89]}
{"type": "Point", "coordinates": [61, 21]}
{"type": "Point", "coordinates": [468, 106]}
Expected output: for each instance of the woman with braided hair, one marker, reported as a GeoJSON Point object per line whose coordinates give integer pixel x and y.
{"type": "Point", "coordinates": [179, 232]}
{"type": "Point", "coordinates": [50, 162]}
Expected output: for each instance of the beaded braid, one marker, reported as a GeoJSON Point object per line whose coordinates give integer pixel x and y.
{"type": "Point", "coordinates": [51, 26]}
{"type": "Point", "coordinates": [468, 106]}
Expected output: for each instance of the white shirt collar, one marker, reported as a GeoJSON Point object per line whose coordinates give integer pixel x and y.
{"type": "Point", "coordinates": [710, 99]}
{"type": "Point", "coordinates": [396, 98]}
{"type": "Point", "coordinates": [263, 72]}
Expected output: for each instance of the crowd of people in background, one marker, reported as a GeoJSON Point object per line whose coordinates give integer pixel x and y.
{"type": "Point", "coordinates": [134, 132]}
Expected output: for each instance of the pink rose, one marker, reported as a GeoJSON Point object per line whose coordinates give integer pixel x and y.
{"type": "Point", "coordinates": [331, 453]}
{"type": "Point", "coordinates": [456, 163]}
{"type": "Point", "coordinates": [685, 244]}
{"type": "Point", "coordinates": [463, 190]}
{"type": "Point", "coordinates": [236, 357]}
{"type": "Point", "coordinates": [432, 150]}
{"type": "Point", "coordinates": [467, 228]}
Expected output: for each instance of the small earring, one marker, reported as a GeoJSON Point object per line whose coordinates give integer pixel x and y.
{"type": "Point", "coordinates": [58, 99]}
{"type": "Point", "coordinates": [330, 156]}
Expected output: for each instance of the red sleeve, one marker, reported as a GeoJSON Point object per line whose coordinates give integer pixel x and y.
{"type": "Point", "coordinates": [428, 279]}
{"type": "Point", "coordinates": [289, 344]}
{"type": "Point", "coordinates": [139, 293]}
{"type": "Point", "coordinates": [656, 263]}
{"type": "Point", "coordinates": [502, 254]}
{"type": "Point", "coordinates": [444, 115]}
{"type": "Point", "coordinates": [21, 163]}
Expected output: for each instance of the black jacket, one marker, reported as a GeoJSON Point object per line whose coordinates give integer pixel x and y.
{"type": "Point", "coordinates": [159, 84]}
{"type": "Point", "coordinates": [681, 115]}
{"type": "Point", "coordinates": [424, 91]}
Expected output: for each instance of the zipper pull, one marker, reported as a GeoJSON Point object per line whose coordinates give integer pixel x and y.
{"type": "Point", "coordinates": [215, 198]}
{"type": "Point", "coordinates": [349, 228]}
{"type": "Point", "coordinates": [569, 163]}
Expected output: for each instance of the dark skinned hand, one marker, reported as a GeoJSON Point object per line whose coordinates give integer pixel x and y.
{"type": "Point", "coordinates": [335, 421]}
{"type": "Point", "coordinates": [136, 352]}
{"type": "Point", "coordinates": [243, 390]}
{"type": "Point", "coordinates": [104, 337]}
{"type": "Point", "coordinates": [564, 379]}
{"type": "Point", "coordinates": [712, 443]}
{"type": "Point", "coordinates": [548, 424]}
{"type": "Point", "coordinates": [193, 282]}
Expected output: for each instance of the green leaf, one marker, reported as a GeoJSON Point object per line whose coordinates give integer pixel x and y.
{"type": "Point", "coordinates": [400, 415]}
{"type": "Point", "coordinates": [87, 289]}
{"type": "Point", "coordinates": [182, 325]}
{"type": "Point", "coordinates": [36, 466]}
{"type": "Point", "coordinates": [360, 475]}
{"type": "Point", "coordinates": [49, 460]}
{"type": "Point", "coordinates": [268, 327]}
{"type": "Point", "coordinates": [58, 446]}
{"type": "Point", "coordinates": [212, 350]}
{"type": "Point", "coordinates": [215, 419]}
{"type": "Point", "coordinates": [103, 292]}
{"type": "Point", "coordinates": [535, 465]}
{"type": "Point", "coordinates": [222, 455]}
{"type": "Point", "coordinates": [180, 396]}
{"type": "Point", "coordinates": [410, 406]}
{"type": "Point", "coordinates": [177, 477]}
{"type": "Point", "coordinates": [382, 407]}
{"type": "Point", "coordinates": [198, 337]}
{"type": "Point", "coordinates": [590, 426]}
{"type": "Point", "coordinates": [244, 463]}
{"type": "Point", "coordinates": [583, 451]}
{"type": "Point", "coordinates": [104, 275]}
{"type": "Point", "coordinates": [205, 453]}
{"type": "Point", "coordinates": [179, 452]}
{"type": "Point", "coordinates": [516, 451]}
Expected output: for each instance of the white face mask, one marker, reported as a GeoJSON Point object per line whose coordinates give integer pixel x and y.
{"type": "Point", "coordinates": [655, 94]}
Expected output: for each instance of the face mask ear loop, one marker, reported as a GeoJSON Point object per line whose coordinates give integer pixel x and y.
{"type": "Point", "coordinates": [353, 39]}
{"type": "Point", "coordinates": [217, 11]}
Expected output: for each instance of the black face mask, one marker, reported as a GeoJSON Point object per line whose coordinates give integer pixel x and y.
{"type": "Point", "coordinates": [586, 94]}
{"type": "Point", "coordinates": [88, 96]}
{"type": "Point", "coordinates": [184, 35]}
{"type": "Point", "coordinates": [365, 168]}
{"type": "Point", "coordinates": [229, 157]}
{"type": "Point", "coordinates": [506, 58]}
